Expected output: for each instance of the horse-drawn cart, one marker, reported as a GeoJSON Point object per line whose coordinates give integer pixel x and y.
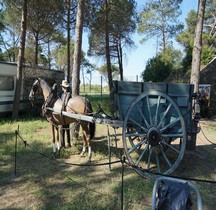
{"type": "Point", "coordinates": [158, 123]}
{"type": "Point", "coordinates": [157, 120]}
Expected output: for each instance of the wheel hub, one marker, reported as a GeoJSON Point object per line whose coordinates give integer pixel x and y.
{"type": "Point", "coordinates": [153, 136]}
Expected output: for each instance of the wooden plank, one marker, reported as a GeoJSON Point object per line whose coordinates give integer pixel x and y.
{"type": "Point", "coordinates": [98, 119]}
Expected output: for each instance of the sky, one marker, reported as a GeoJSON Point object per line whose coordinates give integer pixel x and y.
{"type": "Point", "coordinates": [136, 59]}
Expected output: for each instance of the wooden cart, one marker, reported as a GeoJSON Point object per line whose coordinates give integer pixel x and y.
{"type": "Point", "coordinates": [158, 122]}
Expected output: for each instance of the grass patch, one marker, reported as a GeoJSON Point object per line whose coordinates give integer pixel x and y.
{"type": "Point", "coordinates": [45, 183]}
{"type": "Point", "coordinates": [100, 101]}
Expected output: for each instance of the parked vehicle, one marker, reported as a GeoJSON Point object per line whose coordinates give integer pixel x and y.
{"type": "Point", "coordinates": [8, 73]}
{"type": "Point", "coordinates": [7, 87]}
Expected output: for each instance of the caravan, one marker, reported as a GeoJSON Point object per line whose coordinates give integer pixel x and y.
{"type": "Point", "coordinates": [7, 87]}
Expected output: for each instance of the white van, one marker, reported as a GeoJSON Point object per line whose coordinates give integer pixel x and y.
{"type": "Point", "coordinates": [7, 87]}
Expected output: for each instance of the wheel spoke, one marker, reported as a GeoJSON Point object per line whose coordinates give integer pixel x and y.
{"type": "Point", "coordinates": [141, 156]}
{"type": "Point", "coordinates": [165, 113]}
{"type": "Point", "coordinates": [156, 113]}
{"type": "Point", "coordinates": [149, 157]}
{"type": "Point", "coordinates": [136, 146]}
{"type": "Point", "coordinates": [172, 135]}
{"type": "Point", "coordinates": [169, 125]}
{"type": "Point", "coordinates": [138, 124]}
{"type": "Point", "coordinates": [171, 147]}
{"type": "Point", "coordinates": [157, 162]}
{"type": "Point", "coordinates": [141, 113]}
{"type": "Point", "coordinates": [131, 135]}
{"type": "Point", "coordinates": [149, 111]}
{"type": "Point", "coordinates": [135, 135]}
{"type": "Point", "coordinates": [165, 157]}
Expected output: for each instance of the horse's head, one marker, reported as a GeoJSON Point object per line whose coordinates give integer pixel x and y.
{"type": "Point", "coordinates": [35, 90]}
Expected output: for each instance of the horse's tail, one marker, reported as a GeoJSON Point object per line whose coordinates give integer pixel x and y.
{"type": "Point", "coordinates": [92, 125]}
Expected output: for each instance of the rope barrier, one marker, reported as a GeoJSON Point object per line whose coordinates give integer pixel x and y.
{"type": "Point", "coordinates": [72, 164]}
{"type": "Point", "coordinates": [114, 162]}
{"type": "Point", "coordinates": [122, 186]}
{"type": "Point", "coordinates": [57, 126]}
{"type": "Point", "coordinates": [82, 165]}
{"type": "Point", "coordinates": [122, 161]}
{"type": "Point", "coordinates": [92, 190]}
{"type": "Point", "coordinates": [206, 136]}
{"type": "Point", "coordinates": [118, 161]}
{"type": "Point", "coordinates": [9, 134]}
{"type": "Point", "coordinates": [6, 134]}
{"type": "Point", "coordinates": [171, 176]}
{"type": "Point", "coordinates": [15, 153]}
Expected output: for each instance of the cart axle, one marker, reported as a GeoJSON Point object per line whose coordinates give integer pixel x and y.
{"type": "Point", "coordinates": [153, 136]}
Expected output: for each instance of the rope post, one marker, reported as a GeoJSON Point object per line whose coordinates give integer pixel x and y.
{"type": "Point", "coordinates": [109, 150]}
{"type": "Point", "coordinates": [15, 152]}
{"type": "Point", "coordinates": [122, 186]}
{"type": "Point", "coordinates": [101, 88]}
{"type": "Point", "coordinates": [115, 139]}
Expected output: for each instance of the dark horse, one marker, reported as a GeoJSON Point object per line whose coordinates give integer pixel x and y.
{"type": "Point", "coordinates": [76, 105]}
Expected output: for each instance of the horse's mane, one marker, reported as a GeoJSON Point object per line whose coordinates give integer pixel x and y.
{"type": "Point", "coordinates": [44, 84]}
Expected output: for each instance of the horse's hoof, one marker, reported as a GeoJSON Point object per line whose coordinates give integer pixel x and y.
{"type": "Point", "coordinates": [89, 157]}
{"type": "Point", "coordinates": [53, 155]}
{"type": "Point", "coordinates": [68, 146]}
{"type": "Point", "coordinates": [82, 154]}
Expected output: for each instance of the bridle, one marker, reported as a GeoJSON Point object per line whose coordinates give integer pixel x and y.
{"type": "Point", "coordinates": [35, 88]}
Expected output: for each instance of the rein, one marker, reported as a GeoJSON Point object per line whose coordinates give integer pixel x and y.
{"type": "Point", "coordinates": [50, 101]}
{"type": "Point", "coordinates": [34, 90]}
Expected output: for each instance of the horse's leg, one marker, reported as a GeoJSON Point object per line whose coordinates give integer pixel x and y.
{"type": "Point", "coordinates": [53, 135]}
{"type": "Point", "coordinates": [62, 132]}
{"type": "Point", "coordinates": [76, 130]}
{"type": "Point", "coordinates": [86, 139]}
{"type": "Point", "coordinates": [84, 146]}
{"type": "Point", "coordinates": [58, 141]}
{"type": "Point", "coordinates": [68, 135]}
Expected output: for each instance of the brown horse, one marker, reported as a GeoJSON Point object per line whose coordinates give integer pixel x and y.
{"type": "Point", "coordinates": [76, 105]}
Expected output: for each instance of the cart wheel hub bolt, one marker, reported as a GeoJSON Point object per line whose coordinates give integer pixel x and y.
{"type": "Point", "coordinates": [153, 136]}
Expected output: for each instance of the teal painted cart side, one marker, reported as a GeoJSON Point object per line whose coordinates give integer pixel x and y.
{"type": "Point", "coordinates": [158, 123]}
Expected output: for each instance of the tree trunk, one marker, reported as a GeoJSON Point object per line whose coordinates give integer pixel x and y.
{"type": "Point", "coordinates": [36, 49]}
{"type": "Point", "coordinates": [78, 47]}
{"type": "Point", "coordinates": [109, 69]}
{"type": "Point", "coordinates": [83, 76]}
{"type": "Point", "coordinates": [20, 61]}
{"type": "Point", "coordinates": [13, 52]}
{"type": "Point", "coordinates": [49, 54]}
{"type": "Point", "coordinates": [196, 61]}
{"type": "Point", "coordinates": [120, 60]}
{"type": "Point", "coordinates": [197, 48]}
{"type": "Point", "coordinates": [163, 33]}
{"type": "Point", "coordinates": [68, 41]}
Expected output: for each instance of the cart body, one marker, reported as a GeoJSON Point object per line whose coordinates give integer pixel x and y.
{"type": "Point", "coordinates": [158, 122]}
{"type": "Point", "coordinates": [181, 93]}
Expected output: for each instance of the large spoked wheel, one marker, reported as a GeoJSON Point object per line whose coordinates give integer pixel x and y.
{"type": "Point", "coordinates": [154, 134]}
